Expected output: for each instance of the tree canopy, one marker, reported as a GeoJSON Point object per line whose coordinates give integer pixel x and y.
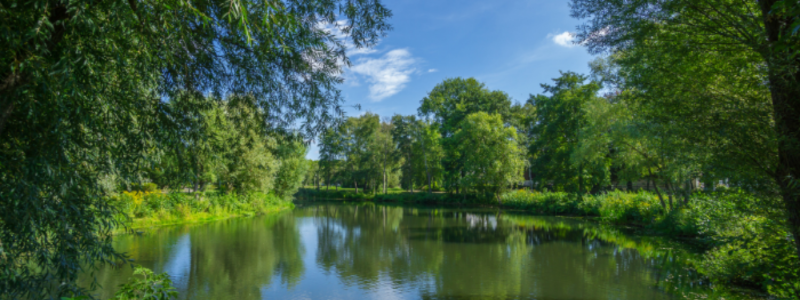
{"type": "Point", "coordinates": [86, 92]}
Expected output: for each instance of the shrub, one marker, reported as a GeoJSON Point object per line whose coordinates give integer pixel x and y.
{"type": "Point", "coordinates": [147, 287]}
{"type": "Point", "coordinates": [621, 207]}
{"type": "Point", "coordinates": [547, 203]}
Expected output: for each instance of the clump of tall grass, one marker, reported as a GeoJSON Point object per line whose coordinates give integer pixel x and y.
{"type": "Point", "coordinates": [613, 207]}
{"type": "Point", "coordinates": [558, 203]}
{"type": "Point", "coordinates": [149, 208]}
{"type": "Point", "coordinates": [624, 208]}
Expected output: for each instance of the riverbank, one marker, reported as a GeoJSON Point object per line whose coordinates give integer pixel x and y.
{"type": "Point", "coordinates": [742, 243]}
{"type": "Point", "coordinates": [142, 209]}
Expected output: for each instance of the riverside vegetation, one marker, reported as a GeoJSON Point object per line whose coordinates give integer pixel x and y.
{"type": "Point", "coordinates": [742, 244]}
{"type": "Point", "coordinates": [145, 209]}
{"type": "Point", "coordinates": [693, 101]}
{"type": "Point", "coordinates": [96, 97]}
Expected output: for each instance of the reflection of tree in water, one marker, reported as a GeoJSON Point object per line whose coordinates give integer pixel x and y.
{"type": "Point", "coordinates": [440, 253]}
{"type": "Point", "coordinates": [226, 259]}
{"type": "Point", "coordinates": [359, 242]}
{"type": "Point", "coordinates": [452, 254]}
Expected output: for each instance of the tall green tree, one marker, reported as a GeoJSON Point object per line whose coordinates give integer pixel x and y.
{"type": "Point", "coordinates": [387, 153]}
{"type": "Point", "coordinates": [403, 135]}
{"type": "Point", "coordinates": [558, 133]}
{"type": "Point", "coordinates": [331, 151]}
{"type": "Point", "coordinates": [765, 29]}
{"type": "Point", "coordinates": [429, 154]}
{"type": "Point", "coordinates": [448, 103]}
{"type": "Point", "coordinates": [291, 152]}
{"type": "Point", "coordinates": [83, 88]}
{"type": "Point", "coordinates": [493, 158]}
{"type": "Point", "coordinates": [523, 118]}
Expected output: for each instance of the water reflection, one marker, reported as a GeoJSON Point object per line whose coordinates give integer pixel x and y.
{"type": "Point", "coordinates": [367, 251]}
{"type": "Point", "coordinates": [229, 259]}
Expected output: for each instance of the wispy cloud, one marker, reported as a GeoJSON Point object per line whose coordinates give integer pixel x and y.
{"type": "Point", "coordinates": [350, 48]}
{"type": "Point", "coordinates": [432, 70]}
{"type": "Point", "coordinates": [564, 39]}
{"type": "Point", "coordinates": [388, 74]}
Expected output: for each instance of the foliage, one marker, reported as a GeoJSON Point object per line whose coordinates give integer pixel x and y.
{"type": "Point", "coordinates": [628, 208]}
{"type": "Point", "coordinates": [490, 152]}
{"type": "Point", "coordinates": [551, 203]}
{"type": "Point", "coordinates": [360, 154]}
{"type": "Point", "coordinates": [139, 209]}
{"type": "Point", "coordinates": [292, 170]}
{"type": "Point", "coordinates": [85, 95]}
{"type": "Point", "coordinates": [427, 144]}
{"type": "Point", "coordinates": [559, 135]}
{"type": "Point", "coordinates": [149, 287]}
{"type": "Point", "coordinates": [739, 57]}
{"type": "Point", "coordinates": [450, 102]}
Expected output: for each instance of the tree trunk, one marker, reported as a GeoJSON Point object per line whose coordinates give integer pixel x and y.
{"type": "Point", "coordinates": [384, 174]}
{"type": "Point", "coordinates": [785, 93]}
{"type": "Point", "coordinates": [580, 182]}
{"type": "Point", "coordinates": [429, 182]}
{"type": "Point", "coordinates": [660, 198]}
{"type": "Point", "coordinates": [630, 186]}
{"type": "Point", "coordinates": [355, 182]}
{"type": "Point", "coordinates": [530, 178]}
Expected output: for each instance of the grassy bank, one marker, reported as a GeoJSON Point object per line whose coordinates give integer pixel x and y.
{"type": "Point", "coordinates": [394, 195]}
{"type": "Point", "coordinates": [744, 244]}
{"type": "Point", "coordinates": [154, 208]}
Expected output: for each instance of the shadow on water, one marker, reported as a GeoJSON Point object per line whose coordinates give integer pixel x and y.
{"type": "Point", "coordinates": [364, 251]}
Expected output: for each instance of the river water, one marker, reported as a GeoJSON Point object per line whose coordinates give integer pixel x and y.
{"type": "Point", "coordinates": [333, 250]}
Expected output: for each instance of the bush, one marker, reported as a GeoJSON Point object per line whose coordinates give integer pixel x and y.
{"type": "Point", "coordinates": [749, 247]}
{"type": "Point", "coordinates": [161, 208]}
{"type": "Point", "coordinates": [147, 287]}
{"type": "Point", "coordinates": [544, 203]}
{"type": "Point", "coordinates": [624, 208]}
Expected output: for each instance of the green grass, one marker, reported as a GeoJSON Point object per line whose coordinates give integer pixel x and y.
{"type": "Point", "coordinates": [154, 208]}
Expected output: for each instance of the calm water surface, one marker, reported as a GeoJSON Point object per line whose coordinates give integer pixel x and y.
{"type": "Point", "coordinates": [327, 250]}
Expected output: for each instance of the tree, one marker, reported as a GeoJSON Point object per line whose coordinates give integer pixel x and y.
{"type": "Point", "coordinates": [404, 137]}
{"type": "Point", "coordinates": [560, 120]}
{"type": "Point", "coordinates": [331, 149]}
{"type": "Point", "coordinates": [427, 145]}
{"type": "Point", "coordinates": [293, 166]}
{"type": "Point", "coordinates": [83, 88]}
{"type": "Point", "coordinates": [313, 174]}
{"type": "Point", "coordinates": [492, 157]}
{"type": "Point", "coordinates": [766, 29]}
{"type": "Point", "coordinates": [449, 102]}
{"type": "Point", "coordinates": [523, 118]}
{"type": "Point", "coordinates": [387, 153]}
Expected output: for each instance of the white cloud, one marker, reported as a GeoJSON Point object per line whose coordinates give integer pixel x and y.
{"type": "Point", "coordinates": [350, 48]}
{"type": "Point", "coordinates": [353, 51]}
{"type": "Point", "coordinates": [387, 75]}
{"type": "Point", "coordinates": [564, 39]}
{"type": "Point", "coordinates": [432, 70]}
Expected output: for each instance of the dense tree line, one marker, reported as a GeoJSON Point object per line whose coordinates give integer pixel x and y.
{"type": "Point", "coordinates": [688, 94]}
{"type": "Point", "coordinates": [711, 85]}
{"type": "Point", "coordinates": [461, 142]}
{"type": "Point", "coordinates": [120, 89]}
{"type": "Point", "coordinates": [225, 144]}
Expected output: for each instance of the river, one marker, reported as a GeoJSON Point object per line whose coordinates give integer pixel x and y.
{"type": "Point", "coordinates": [334, 250]}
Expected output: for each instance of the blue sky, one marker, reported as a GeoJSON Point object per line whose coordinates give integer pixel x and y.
{"type": "Point", "coordinates": [512, 46]}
